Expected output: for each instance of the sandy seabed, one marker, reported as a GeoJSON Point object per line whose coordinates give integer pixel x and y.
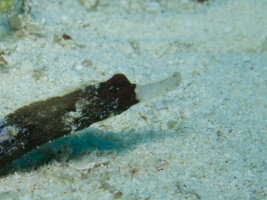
{"type": "Point", "coordinates": [205, 140]}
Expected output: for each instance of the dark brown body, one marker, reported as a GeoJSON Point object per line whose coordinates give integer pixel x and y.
{"type": "Point", "coordinates": [44, 121]}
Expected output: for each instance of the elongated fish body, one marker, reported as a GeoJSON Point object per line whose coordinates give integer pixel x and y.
{"type": "Point", "coordinates": [44, 121]}
{"type": "Point", "coordinates": [38, 123]}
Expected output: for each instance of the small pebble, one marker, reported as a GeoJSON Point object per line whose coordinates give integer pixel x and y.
{"type": "Point", "coordinates": [87, 63]}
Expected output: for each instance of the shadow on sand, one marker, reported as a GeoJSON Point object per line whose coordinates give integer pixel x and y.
{"type": "Point", "coordinates": [82, 143]}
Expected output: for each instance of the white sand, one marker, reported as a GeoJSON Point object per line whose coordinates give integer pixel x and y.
{"type": "Point", "coordinates": [205, 140]}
